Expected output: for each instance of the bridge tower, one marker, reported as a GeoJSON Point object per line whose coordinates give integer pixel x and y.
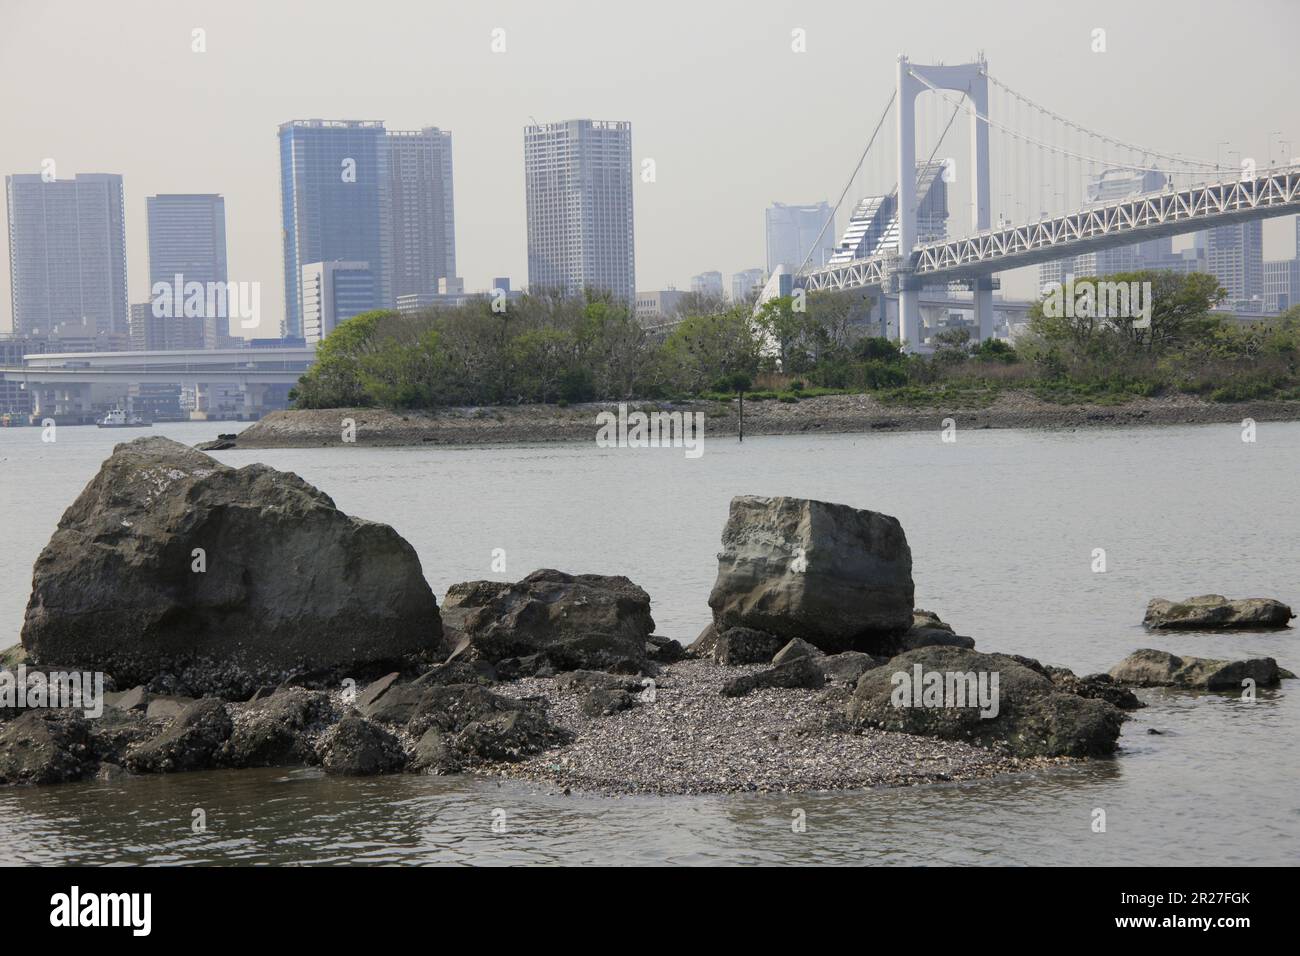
{"type": "Point", "coordinates": [971, 81]}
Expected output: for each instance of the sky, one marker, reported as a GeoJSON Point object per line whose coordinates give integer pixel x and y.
{"type": "Point", "coordinates": [732, 115]}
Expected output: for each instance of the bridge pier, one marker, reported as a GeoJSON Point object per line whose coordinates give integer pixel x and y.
{"type": "Point", "coordinates": [68, 403]}
{"type": "Point", "coordinates": [969, 80]}
{"type": "Point", "coordinates": [909, 316]}
{"type": "Point", "coordinates": [984, 306]}
{"type": "Point", "coordinates": [254, 395]}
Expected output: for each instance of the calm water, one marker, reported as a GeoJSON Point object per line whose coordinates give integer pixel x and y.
{"type": "Point", "coordinates": [1002, 526]}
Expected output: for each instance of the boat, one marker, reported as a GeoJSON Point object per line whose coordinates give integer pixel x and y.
{"type": "Point", "coordinates": [118, 419]}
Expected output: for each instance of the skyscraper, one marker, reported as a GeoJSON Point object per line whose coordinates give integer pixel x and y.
{"type": "Point", "coordinates": [334, 198]}
{"type": "Point", "coordinates": [422, 214]}
{"type": "Point", "coordinates": [794, 230]}
{"type": "Point", "coordinates": [578, 179]}
{"type": "Point", "coordinates": [1235, 256]}
{"type": "Point", "coordinates": [187, 238]}
{"type": "Point", "coordinates": [67, 253]}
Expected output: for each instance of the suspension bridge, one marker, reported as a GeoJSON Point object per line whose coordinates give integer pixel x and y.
{"type": "Point", "coordinates": [1064, 191]}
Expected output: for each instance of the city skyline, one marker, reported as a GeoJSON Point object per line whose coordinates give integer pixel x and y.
{"type": "Point", "coordinates": [806, 145]}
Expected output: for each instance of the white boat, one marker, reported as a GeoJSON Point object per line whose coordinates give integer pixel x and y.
{"type": "Point", "coordinates": [118, 419]}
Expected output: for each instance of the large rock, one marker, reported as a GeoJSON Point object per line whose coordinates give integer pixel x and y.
{"type": "Point", "coordinates": [744, 645]}
{"type": "Point", "coordinates": [45, 746]}
{"type": "Point", "coordinates": [356, 747]}
{"type": "Point", "coordinates": [459, 725]}
{"type": "Point", "coordinates": [566, 621]}
{"type": "Point", "coordinates": [278, 730]}
{"type": "Point", "coordinates": [802, 672]}
{"type": "Point", "coordinates": [928, 631]}
{"type": "Point", "coordinates": [847, 667]}
{"type": "Point", "coordinates": [190, 743]}
{"type": "Point", "coordinates": [292, 585]}
{"type": "Point", "coordinates": [1216, 611]}
{"type": "Point", "coordinates": [1153, 668]}
{"type": "Point", "coordinates": [837, 577]}
{"type": "Point", "coordinates": [1029, 715]}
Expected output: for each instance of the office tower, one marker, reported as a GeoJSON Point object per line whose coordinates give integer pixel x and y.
{"type": "Point", "coordinates": [333, 292]}
{"type": "Point", "coordinates": [794, 231]}
{"type": "Point", "coordinates": [421, 211]}
{"type": "Point", "coordinates": [67, 253]}
{"type": "Point", "coordinates": [578, 179]}
{"type": "Point", "coordinates": [334, 198]}
{"type": "Point", "coordinates": [707, 284]}
{"type": "Point", "coordinates": [1235, 256]}
{"type": "Point", "coordinates": [745, 283]}
{"type": "Point", "coordinates": [153, 332]}
{"type": "Point", "coordinates": [187, 243]}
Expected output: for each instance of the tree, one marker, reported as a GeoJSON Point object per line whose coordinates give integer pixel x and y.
{"type": "Point", "coordinates": [705, 348]}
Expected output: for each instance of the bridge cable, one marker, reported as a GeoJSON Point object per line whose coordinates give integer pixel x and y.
{"type": "Point", "coordinates": [847, 186]}
{"type": "Point", "coordinates": [1102, 136]}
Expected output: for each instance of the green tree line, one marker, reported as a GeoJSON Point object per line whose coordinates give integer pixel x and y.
{"type": "Point", "coordinates": [553, 348]}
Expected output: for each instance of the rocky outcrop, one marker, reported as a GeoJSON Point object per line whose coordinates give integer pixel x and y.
{"type": "Point", "coordinates": [601, 702]}
{"type": "Point", "coordinates": [704, 643]}
{"type": "Point", "coordinates": [1153, 668]}
{"type": "Point", "coordinates": [799, 672]}
{"type": "Point", "coordinates": [1097, 686]}
{"type": "Point", "coordinates": [927, 631]}
{"type": "Point", "coordinates": [1214, 611]}
{"type": "Point", "coordinates": [190, 743]}
{"type": "Point", "coordinates": [744, 645]}
{"type": "Point", "coordinates": [949, 692]}
{"type": "Point", "coordinates": [847, 667]}
{"type": "Point", "coordinates": [44, 746]}
{"type": "Point", "coordinates": [356, 747]}
{"type": "Point", "coordinates": [553, 620]}
{"type": "Point", "coordinates": [663, 650]}
{"type": "Point", "coordinates": [838, 577]}
{"type": "Point", "coordinates": [583, 682]}
{"type": "Point", "coordinates": [278, 730]}
{"type": "Point", "coordinates": [796, 648]}
{"type": "Point", "coordinates": [458, 726]}
{"type": "Point", "coordinates": [171, 563]}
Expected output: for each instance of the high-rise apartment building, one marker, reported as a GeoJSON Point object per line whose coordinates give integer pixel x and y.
{"type": "Point", "coordinates": [422, 216]}
{"type": "Point", "coordinates": [187, 243]}
{"type": "Point", "coordinates": [578, 180]}
{"type": "Point", "coordinates": [1235, 256]}
{"type": "Point", "coordinates": [335, 201]}
{"type": "Point", "coordinates": [67, 253]}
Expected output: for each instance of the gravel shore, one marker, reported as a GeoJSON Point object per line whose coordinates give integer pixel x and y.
{"type": "Point", "coordinates": [828, 414]}
{"type": "Point", "coordinates": [692, 740]}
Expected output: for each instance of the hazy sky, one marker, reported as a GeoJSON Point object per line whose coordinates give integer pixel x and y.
{"type": "Point", "coordinates": [733, 117]}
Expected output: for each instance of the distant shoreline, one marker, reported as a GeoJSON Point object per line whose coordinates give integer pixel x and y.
{"type": "Point", "coordinates": [832, 414]}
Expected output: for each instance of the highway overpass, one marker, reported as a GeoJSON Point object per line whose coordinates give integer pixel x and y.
{"type": "Point", "coordinates": [61, 383]}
